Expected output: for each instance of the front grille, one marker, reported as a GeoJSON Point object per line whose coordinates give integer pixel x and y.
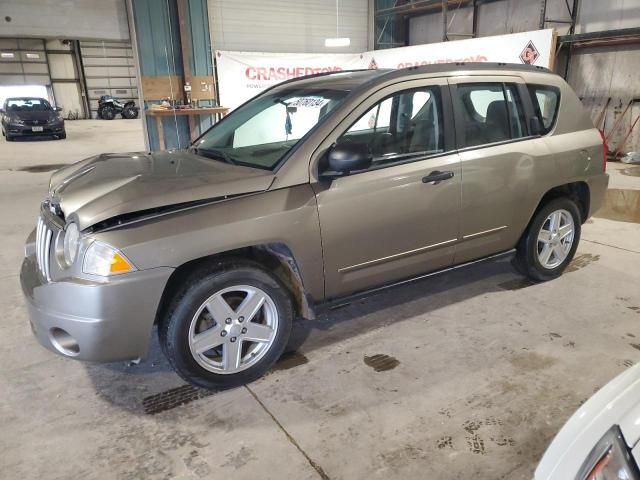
{"type": "Point", "coordinates": [44, 235]}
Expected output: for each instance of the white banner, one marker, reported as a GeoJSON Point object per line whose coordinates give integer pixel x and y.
{"type": "Point", "coordinates": [242, 75]}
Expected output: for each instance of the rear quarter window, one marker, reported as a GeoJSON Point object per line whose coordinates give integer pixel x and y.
{"type": "Point", "coordinates": [546, 101]}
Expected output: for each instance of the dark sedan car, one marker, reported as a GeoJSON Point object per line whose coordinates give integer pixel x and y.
{"type": "Point", "coordinates": [29, 116]}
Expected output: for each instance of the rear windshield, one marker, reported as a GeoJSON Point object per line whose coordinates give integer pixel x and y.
{"type": "Point", "coordinates": [545, 103]}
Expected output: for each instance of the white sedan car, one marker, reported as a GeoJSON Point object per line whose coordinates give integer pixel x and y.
{"type": "Point", "coordinates": [601, 440]}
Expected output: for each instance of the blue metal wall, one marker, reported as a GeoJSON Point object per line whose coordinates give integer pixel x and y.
{"type": "Point", "coordinates": [201, 52]}
{"type": "Point", "coordinates": [158, 37]}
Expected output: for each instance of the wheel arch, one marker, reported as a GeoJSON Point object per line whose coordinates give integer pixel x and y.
{"type": "Point", "coordinates": [277, 258]}
{"type": "Point", "coordinates": [577, 191]}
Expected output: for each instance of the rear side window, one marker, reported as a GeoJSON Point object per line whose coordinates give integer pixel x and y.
{"type": "Point", "coordinates": [491, 112]}
{"type": "Point", "coordinates": [545, 101]}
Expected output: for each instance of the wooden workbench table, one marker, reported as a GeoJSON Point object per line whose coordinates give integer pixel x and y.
{"type": "Point", "coordinates": [218, 112]}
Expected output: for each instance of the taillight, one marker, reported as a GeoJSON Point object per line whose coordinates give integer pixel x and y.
{"type": "Point", "coordinates": [604, 151]}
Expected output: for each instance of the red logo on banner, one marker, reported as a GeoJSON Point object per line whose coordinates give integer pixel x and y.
{"type": "Point", "coordinates": [530, 54]}
{"type": "Point", "coordinates": [373, 65]}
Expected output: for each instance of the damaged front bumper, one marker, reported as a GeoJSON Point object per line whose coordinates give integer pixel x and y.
{"type": "Point", "coordinates": [106, 320]}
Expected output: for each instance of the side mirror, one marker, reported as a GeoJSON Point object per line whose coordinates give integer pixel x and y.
{"type": "Point", "coordinates": [1, 110]}
{"type": "Point", "coordinates": [535, 127]}
{"type": "Point", "coordinates": [345, 158]}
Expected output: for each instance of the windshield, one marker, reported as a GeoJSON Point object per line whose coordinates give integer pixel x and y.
{"type": "Point", "coordinates": [262, 131]}
{"type": "Point", "coordinates": [27, 105]}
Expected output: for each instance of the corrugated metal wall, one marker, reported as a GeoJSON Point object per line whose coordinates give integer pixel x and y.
{"type": "Point", "coordinates": [599, 73]}
{"type": "Point", "coordinates": [109, 69]}
{"type": "Point", "coordinates": [285, 26]}
{"type": "Point", "coordinates": [494, 18]}
{"type": "Point", "coordinates": [595, 73]}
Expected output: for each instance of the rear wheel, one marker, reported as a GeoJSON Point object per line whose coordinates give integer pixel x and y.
{"type": "Point", "coordinates": [227, 327]}
{"type": "Point", "coordinates": [550, 242]}
{"type": "Point", "coordinates": [129, 112]}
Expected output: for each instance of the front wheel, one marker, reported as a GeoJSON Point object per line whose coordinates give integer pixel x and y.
{"type": "Point", "coordinates": [228, 327]}
{"type": "Point", "coordinates": [108, 113]}
{"type": "Point", "coordinates": [550, 242]}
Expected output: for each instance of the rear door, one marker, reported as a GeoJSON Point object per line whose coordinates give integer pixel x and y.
{"type": "Point", "coordinates": [390, 222]}
{"type": "Point", "coordinates": [501, 162]}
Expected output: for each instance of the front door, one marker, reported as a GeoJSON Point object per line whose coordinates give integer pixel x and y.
{"type": "Point", "coordinates": [400, 217]}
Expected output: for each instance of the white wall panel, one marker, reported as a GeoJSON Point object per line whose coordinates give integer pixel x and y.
{"type": "Point", "coordinates": [285, 26]}
{"type": "Point", "coordinates": [68, 98]}
{"type": "Point", "coordinates": [61, 65]}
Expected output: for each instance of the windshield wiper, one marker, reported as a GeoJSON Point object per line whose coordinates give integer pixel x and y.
{"type": "Point", "coordinates": [214, 154]}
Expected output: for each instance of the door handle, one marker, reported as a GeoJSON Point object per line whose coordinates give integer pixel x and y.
{"type": "Point", "coordinates": [436, 177]}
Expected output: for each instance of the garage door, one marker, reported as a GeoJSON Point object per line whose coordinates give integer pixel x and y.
{"type": "Point", "coordinates": [23, 62]}
{"type": "Point", "coordinates": [109, 69]}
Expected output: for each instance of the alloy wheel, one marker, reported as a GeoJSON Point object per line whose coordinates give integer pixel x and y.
{"type": "Point", "coordinates": [233, 329]}
{"type": "Point", "coordinates": [555, 239]}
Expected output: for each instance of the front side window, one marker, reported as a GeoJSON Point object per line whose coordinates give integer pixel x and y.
{"type": "Point", "coordinates": [261, 132]}
{"type": "Point", "coordinates": [491, 112]}
{"type": "Point", "coordinates": [545, 103]}
{"type": "Point", "coordinates": [401, 126]}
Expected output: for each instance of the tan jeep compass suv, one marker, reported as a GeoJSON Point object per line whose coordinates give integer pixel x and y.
{"type": "Point", "coordinates": [318, 189]}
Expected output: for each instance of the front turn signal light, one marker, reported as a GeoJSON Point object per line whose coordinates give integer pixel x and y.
{"type": "Point", "coordinates": [105, 260]}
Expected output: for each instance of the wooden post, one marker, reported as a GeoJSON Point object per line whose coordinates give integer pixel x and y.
{"type": "Point", "coordinates": [160, 131]}
{"type": "Point", "coordinates": [553, 53]}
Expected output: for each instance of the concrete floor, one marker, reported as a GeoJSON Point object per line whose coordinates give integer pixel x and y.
{"type": "Point", "coordinates": [465, 375]}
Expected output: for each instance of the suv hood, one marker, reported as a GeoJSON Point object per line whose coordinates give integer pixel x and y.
{"type": "Point", "coordinates": [111, 185]}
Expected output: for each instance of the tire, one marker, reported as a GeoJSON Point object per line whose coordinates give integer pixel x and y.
{"type": "Point", "coordinates": [187, 317]}
{"type": "Point", "coordinates": [130, 112]}
{"type": "Point", "coordinates": [543, 255]}
{"type": "Point", "coordinates": [108, 113]}
{"type": "Point", "coordinates": [8, 137]}
{"type": "Point", "coordinates": [62, 136]}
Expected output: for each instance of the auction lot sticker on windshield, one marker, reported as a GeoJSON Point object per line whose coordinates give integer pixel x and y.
{"type": "Point", "coordinates": [311, 102]}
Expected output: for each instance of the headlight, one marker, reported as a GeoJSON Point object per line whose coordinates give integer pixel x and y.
{"type": "Point", "coordinates": [71, 243]}
{"type": "Point", "coordinates": [102, 259]}
{"type": "Point", "coordinates": [610, 459]}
